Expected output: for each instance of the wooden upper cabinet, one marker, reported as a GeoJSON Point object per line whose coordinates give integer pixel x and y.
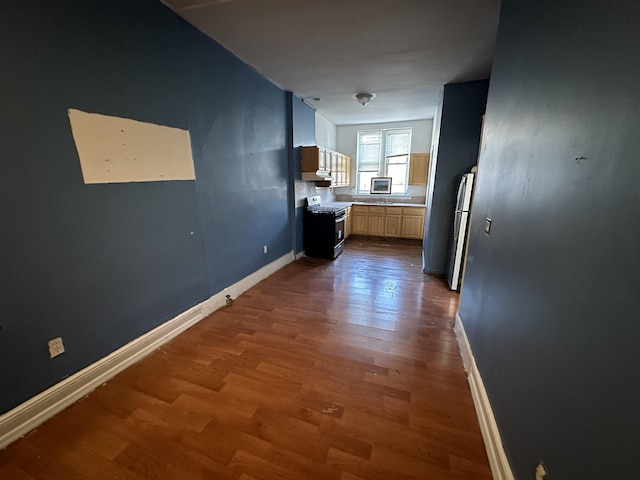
{"type": "Point", "coordinates": [418, 168]}
{"type": "Point", "coordinates": [318, 158]}
{"type": "Point", "coordinates": [332, 163]}
{"type": "Point", "coordinates": [339, 169]}
{"type": "Point", "coordinates": [313, 159]}
{"type": "Point", "coordinates": [323, 164]}
{"type": "Point", "coordinates": [346, 162]}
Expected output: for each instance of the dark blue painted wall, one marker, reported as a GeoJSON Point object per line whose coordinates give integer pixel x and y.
{"type": "Point", "coordinates": [550, 301]}
{"type": "Point", "coordinates": [238, 130]}
{"type": "Point", "coordinates": [456, 151]}
{"type": "Point", "coordinates": [100, 265]}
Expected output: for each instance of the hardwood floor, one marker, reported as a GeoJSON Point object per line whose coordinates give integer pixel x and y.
{"type": "Point", "coordinates": [345, 369]}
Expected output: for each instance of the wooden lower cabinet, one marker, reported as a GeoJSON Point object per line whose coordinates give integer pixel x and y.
{"type": "Point", "coordinates": [412, 227]}
{"type": "Point", "coordinates": [376, 221]}
{"type": "Point", "coordinates": [359, 219]}
{"type": "Point", "coordinates": [413, 222]}
{"type": "Point", "coordinates": [347, 222]}
{"type": "Point", "coordinates": [393, 222]}
{"type": "Point", "coordinates": [399, 222]}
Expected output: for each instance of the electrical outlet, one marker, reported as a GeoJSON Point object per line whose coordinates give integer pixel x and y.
{"type": "Point", "coordinates": [56, 347]}
{"type": "Point", "coordinates": [265, 249]}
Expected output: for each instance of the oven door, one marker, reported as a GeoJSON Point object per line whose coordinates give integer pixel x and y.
{"type": "Point", "coordinates": [339, 229]}
{"type": "Point", "coordinates": [339, 235]}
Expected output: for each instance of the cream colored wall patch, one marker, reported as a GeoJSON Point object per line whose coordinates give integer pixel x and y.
{"type": "Point", "coordinates": [120, 150]}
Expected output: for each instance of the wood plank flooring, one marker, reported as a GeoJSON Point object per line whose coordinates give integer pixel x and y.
{"type": "Point", "coordinates": [345, 370]}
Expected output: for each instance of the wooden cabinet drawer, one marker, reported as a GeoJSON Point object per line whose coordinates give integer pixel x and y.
{"type": "Point", "coordinates": [410, 211]}
{"type": "Point", "coordinates": [359, 209]}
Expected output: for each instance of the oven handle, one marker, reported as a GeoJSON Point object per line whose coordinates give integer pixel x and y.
{"type": "Point", "coordinates": [341, 219]}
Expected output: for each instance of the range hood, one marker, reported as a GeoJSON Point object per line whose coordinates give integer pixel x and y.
{"type": "Point", "coordinates": [317, 176]}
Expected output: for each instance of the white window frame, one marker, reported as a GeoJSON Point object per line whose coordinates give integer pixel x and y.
{"type": "Point", "coordinates": [383, 160]}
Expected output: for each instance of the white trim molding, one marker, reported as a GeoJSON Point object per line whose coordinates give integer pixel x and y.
{"type": "Point", "coordinates": [493, 444]}
{"type": "Point", "coordinates": [28, 415]}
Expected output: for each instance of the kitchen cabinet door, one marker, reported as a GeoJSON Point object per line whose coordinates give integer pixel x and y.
{"type": "Point", "coordinates": [376, 221]}
{"type": "Point", "coordinates": [347, 170]}
{"type": "Point", "coordinates": [322, 159]}
{"type": "Point", "coordinates": [392, 221]}
{"type": "Point", "coordinates": [339, 169]}
{"type": "Point", "coordinates": [418, 169]}
{"type": "Point", "coordinates": [392, 225]}
{"type": "Point", "coordinates": [313, 158]}
{"type": "Point", "coordinates": [335, 169]}
{"type": "Point", "coordinates": [359, 219]}
{"type": "Point", "coordinates": [412, 226]}
{"type": "Point", "coordinates": [360, 223]}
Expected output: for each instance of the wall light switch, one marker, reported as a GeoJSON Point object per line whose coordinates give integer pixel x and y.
{"type": "Point", "coordinates": [487, 226]}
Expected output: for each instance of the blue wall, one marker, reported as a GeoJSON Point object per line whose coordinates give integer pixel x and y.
{"type": "Point", "coordinates": [100, 265]}
{"type": "Point", "coordinates": [550, 301]}
{"type": "Point", "coordinates": [455, 151]}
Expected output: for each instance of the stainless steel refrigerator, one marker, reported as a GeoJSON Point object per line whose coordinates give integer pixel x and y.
{"type": "Point", "coordinates": [460, 226]}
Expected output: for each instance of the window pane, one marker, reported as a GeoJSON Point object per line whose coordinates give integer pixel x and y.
{"type": "Point", "coordinates": [398, 159]}
{"type": "Point", "coordinates": [399, 174]}
{"type": "Point", "coordinates": [369, 151]}
{"type": "Point", "coordinates": [397, 150]}
{"type": "Point", "coordinates": [383, 153]}
{"type": "Point", "coordinates": [398, 142]}
{"type": "Point", "coordinates": [364, 181]}
{"type": "Point", "coordinates": [368, 158]}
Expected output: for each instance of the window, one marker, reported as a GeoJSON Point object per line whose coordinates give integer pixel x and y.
{"type": "Point", "coordinates": [383, 153]}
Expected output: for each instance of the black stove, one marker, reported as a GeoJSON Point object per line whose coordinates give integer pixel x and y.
{"type": "Point", "coordinates": [335, 211]}
{"type": "Point", "coordinates": [323, 229]}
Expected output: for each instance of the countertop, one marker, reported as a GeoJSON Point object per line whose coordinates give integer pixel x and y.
{"type": "Point", "coordinates": [373, 204]}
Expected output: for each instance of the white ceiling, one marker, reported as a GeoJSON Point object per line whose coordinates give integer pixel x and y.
{"type": "Point", "coordinates": [403, 51]}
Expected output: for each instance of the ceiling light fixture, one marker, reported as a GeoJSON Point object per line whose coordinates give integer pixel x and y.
{"type": "Point", "coordinates": [364, 98]}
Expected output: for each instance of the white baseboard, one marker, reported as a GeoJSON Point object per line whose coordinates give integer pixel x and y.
{"type": "Point", "coordinates": [28, 415]}
{"type": "Point", "coordinates": [299, 255]}
{"type": "Point", "coordinates": [493, 444]}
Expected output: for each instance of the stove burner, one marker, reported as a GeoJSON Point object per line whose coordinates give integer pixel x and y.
{"type": "Point", "coordinates": [336, 211]}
